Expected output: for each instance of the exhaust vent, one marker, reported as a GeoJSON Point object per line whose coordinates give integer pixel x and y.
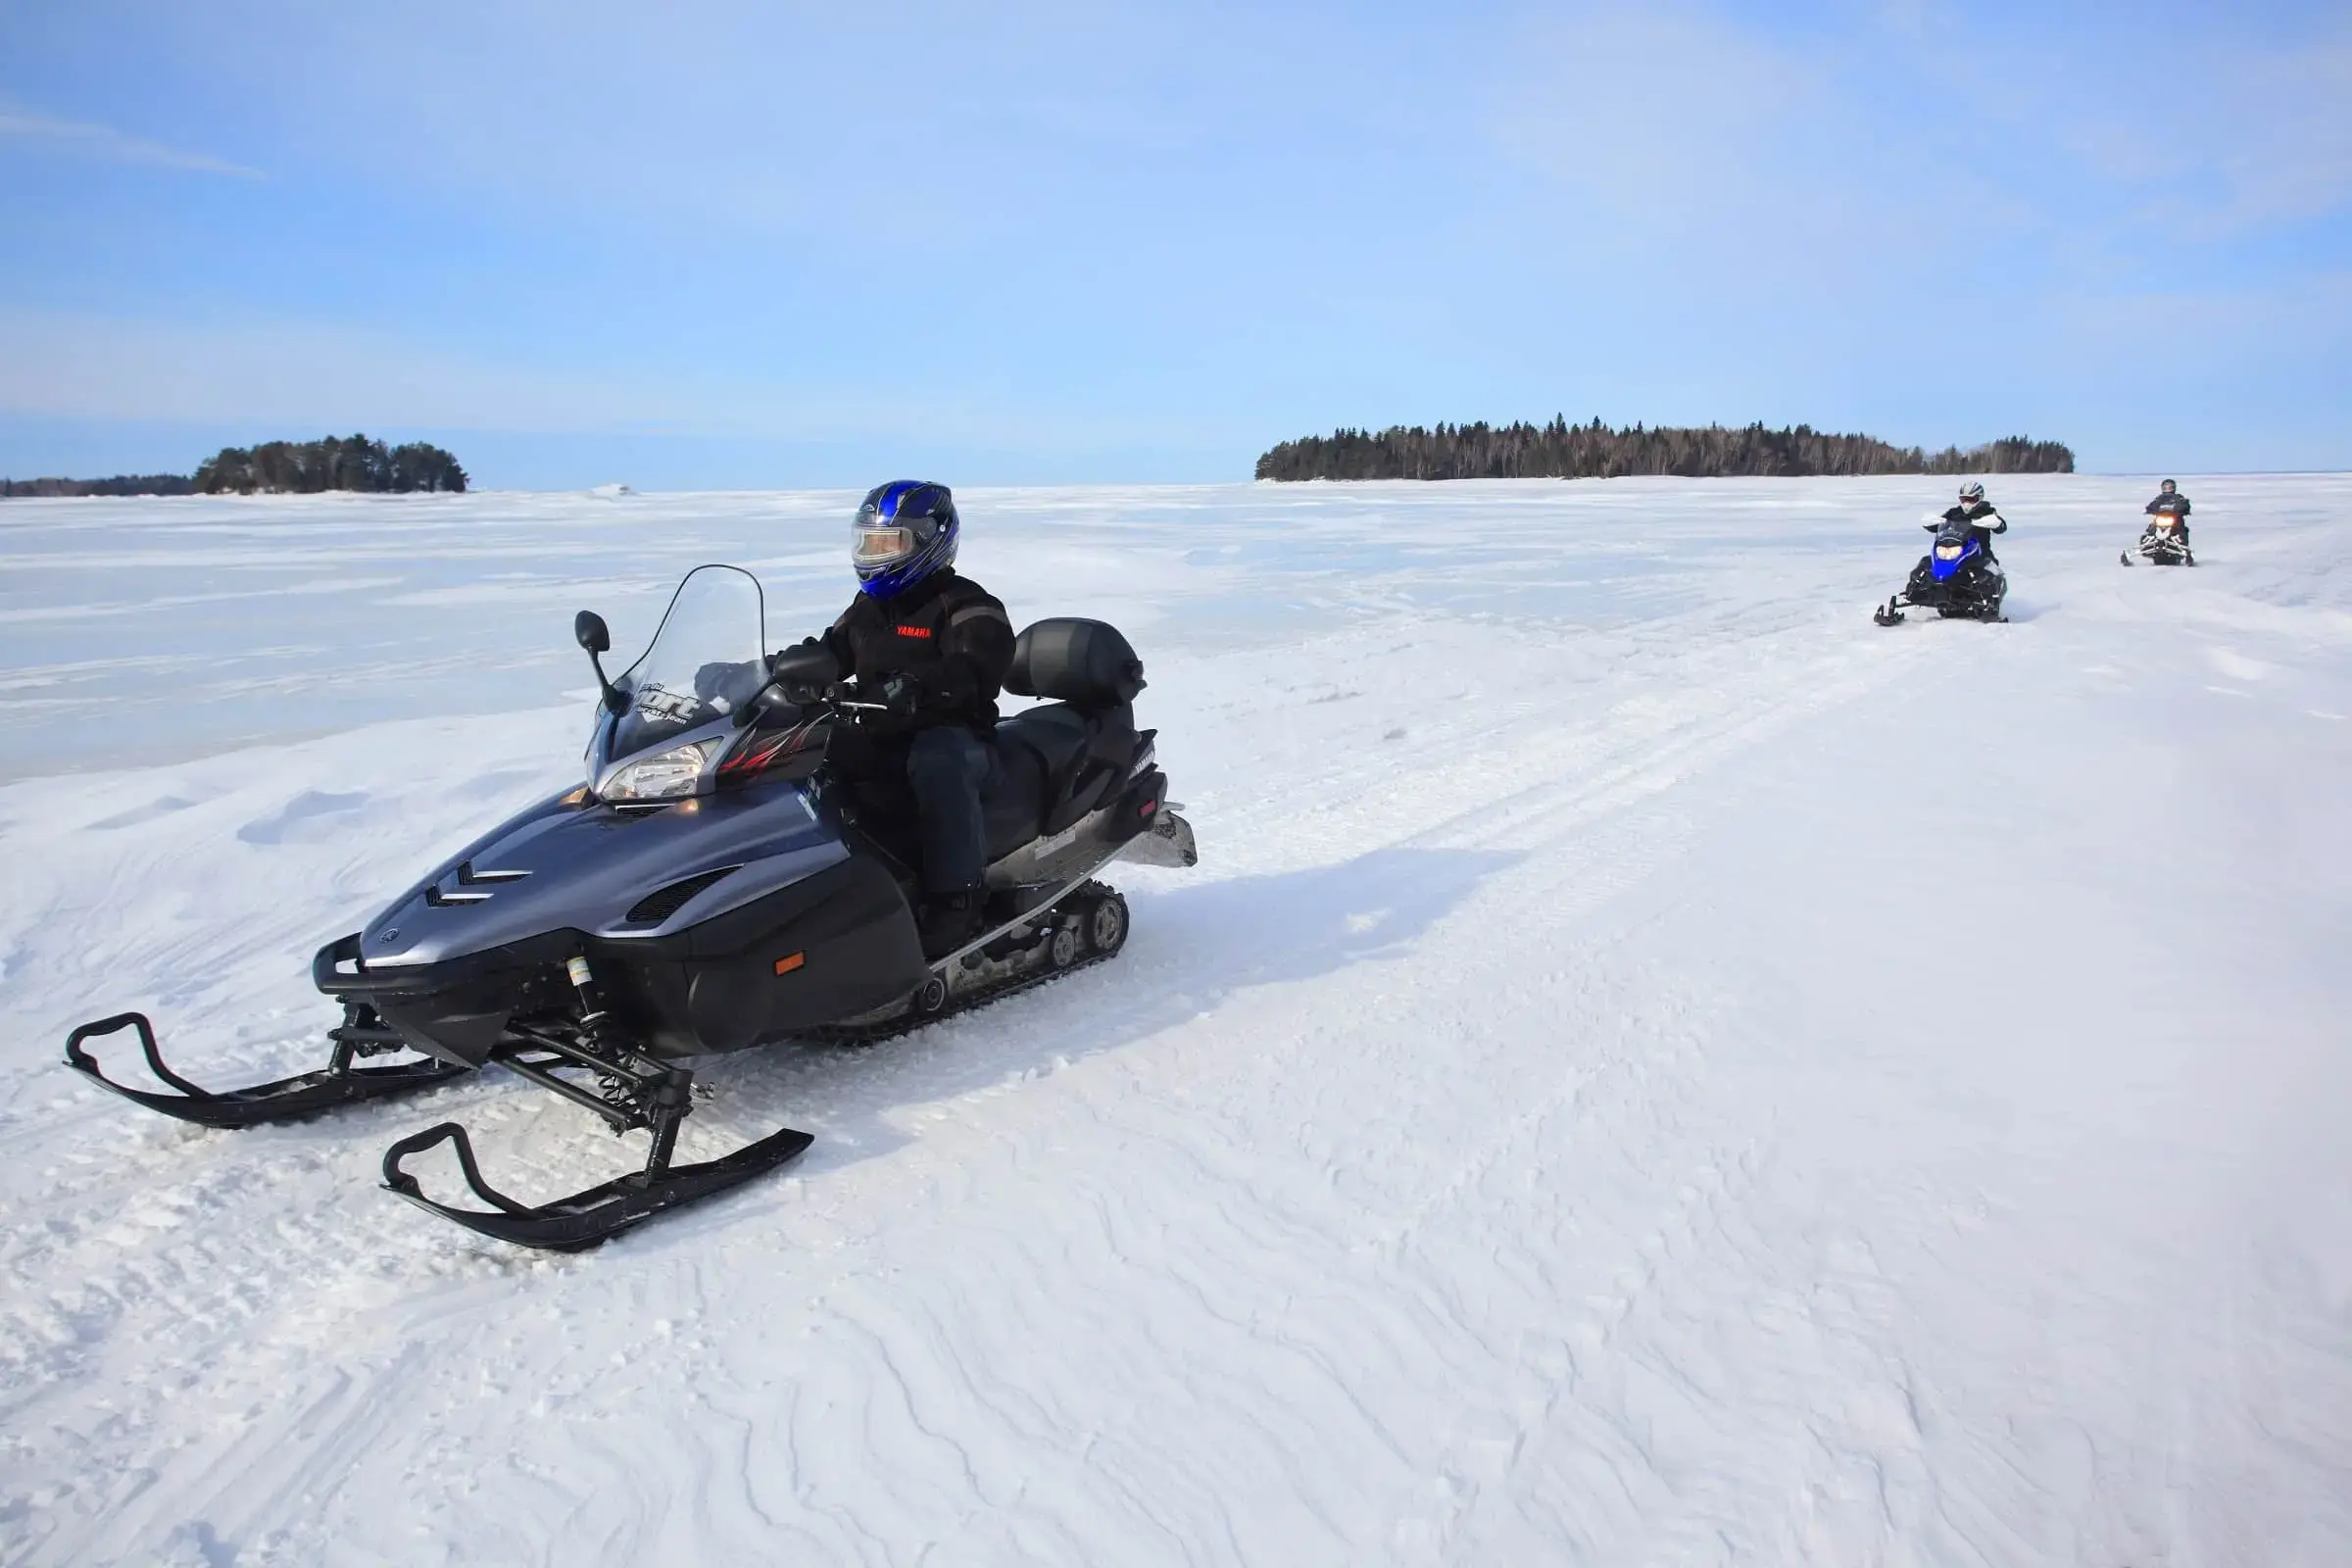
{"type": "Point", "coordinates": [662, 903]}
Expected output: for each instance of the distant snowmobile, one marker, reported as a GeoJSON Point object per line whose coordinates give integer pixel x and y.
{"type": "Point", "coordinates": [2162, 544]}
{"type": "Point", "coordinates": [710, 889]}
{"type": "Point", "coordinates": [1956, 578]}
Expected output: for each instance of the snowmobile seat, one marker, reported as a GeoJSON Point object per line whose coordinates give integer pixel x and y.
{"type": "Point", "coordinates": [1016, 802]}
{"type": "Point", "coordinates": [1083, 738]}
{"type": "Point", "coordinates": [1054, 736]}
{"type": "Point", "coordinates": [1086, 663]}
{"type": "Point", "coordinates": [1077, 756]}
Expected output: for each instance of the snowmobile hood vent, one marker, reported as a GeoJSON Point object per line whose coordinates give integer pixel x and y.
{"type": "Point", "coordinates": [660, 904]}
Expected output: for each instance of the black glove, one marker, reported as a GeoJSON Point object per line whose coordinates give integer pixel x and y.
{"type": "Point", "coordinates": [903, 694]}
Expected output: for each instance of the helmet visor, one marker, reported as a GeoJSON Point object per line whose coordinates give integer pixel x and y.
{"type": "Point", "coordinates": [880, 545]}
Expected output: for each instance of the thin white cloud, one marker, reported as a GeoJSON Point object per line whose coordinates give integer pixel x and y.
{"type": "Point", "coordinates": [1683, 118]}
{"type": "Point", "coordinates": [113, 146]}
{"type": "Point", "coordinates": [83, 365]}
{"type": "Point", "coordinates": [1691, 135]}
{"type": "Point", "coordinates": [303, 375]}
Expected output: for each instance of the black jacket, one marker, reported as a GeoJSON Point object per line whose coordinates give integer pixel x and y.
{"type": "Point", "coordinates": [1976, 512]}
{"type": "Point", "coordinates": [947, 632]}
{"type": "Point", "coordinates": [2175, 504]}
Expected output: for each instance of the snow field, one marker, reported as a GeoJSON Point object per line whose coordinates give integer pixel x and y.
{"type": "Point", "coordinates": [1649, 1068]}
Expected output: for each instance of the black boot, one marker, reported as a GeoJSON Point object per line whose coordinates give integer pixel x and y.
{"type": "Point", "coordinates": [950, 919]}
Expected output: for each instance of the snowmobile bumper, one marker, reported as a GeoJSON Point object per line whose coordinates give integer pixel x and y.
{"type": "Point", "coordinates": [308, 1094]}
{"type": "Point", "coordinates": [1168, 842]}
{"type": "Point", "coordinates": [597, 1214]}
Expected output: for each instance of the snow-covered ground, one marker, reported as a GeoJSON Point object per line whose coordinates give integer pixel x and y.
{"type": "Point", "coordinates": [1651, 1067]}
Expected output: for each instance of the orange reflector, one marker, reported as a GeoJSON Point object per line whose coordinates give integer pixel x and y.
{"type": "Point", "coordinates": [791, 961]}
{"type": "Point", "coordinates": [575, 797]}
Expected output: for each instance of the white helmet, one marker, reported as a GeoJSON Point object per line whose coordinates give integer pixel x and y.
{"type": "Point", "coordinates": [1972, 491]}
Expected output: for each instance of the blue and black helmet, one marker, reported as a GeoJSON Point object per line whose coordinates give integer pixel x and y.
{"type": "Point", "coordinates": [906, 530]}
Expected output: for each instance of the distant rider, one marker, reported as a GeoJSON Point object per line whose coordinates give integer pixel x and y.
{"type": "Point", "coordinates": [2170, 502]}
{"type": "Point", "coordinates": [1973, 509]}
{"type": "Point", "coordinates": [932, 648]}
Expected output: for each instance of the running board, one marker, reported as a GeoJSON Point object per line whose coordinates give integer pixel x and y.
{"type": "Point", "coordinates": [294, 1099]}
{"type": "Point", "coordinates": [597, 1214]}
{"type": "Point", "coordinates": [957, 1005]}
{"type": "Point", "coordinates": [1061, 941]}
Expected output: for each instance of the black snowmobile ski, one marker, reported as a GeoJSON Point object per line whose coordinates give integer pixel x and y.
{"type": "Point", "coordinates": [596, 1215]}
{"type": "Point", "coordinates": [632, 1088]}
{"type": "Point", "coordinates": [305, 1095]}
{"type": "Point", "coordinates": [1890, 613]}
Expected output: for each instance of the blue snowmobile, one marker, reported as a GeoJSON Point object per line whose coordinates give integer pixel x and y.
{"type": "Point", "coordinates": [1958, 578]}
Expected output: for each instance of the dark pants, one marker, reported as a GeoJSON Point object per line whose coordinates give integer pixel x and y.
{"type": "Point", "coordinates": [949, 769]}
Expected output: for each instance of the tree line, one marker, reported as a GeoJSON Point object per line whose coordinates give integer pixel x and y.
{"type": "Point", "coordinates": [1563, 451]}
{"type": "Point", "coordinates": [121, 485]}
{"type": "Point", "coordinates": [279, 468]}
{"type": "Point", "coordinates": [307, 467]}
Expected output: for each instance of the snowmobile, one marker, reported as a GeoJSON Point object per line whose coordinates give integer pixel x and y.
{"type": "Point", "coordinates": [2162, 545]}
{"type": "Point", "coordinates": [711, 887]}
{"type": "Point", "coordinates": [1956, 578]}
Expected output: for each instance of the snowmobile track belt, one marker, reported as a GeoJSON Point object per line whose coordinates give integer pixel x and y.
{"type": "Point", "coordinates": [910, 1021]}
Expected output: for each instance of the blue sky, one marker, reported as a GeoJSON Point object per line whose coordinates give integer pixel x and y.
{"type": "Point", "coordinates": [737, 244]}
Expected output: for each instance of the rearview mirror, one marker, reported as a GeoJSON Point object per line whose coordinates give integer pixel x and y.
{"type": "Point", "coordinates": [588, 630]}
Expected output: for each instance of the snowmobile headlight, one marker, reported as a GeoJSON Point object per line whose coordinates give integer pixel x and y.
{"type": "Point", "coordinates": [1946, 551]}
{"type": "Point", "coordinates": [663, 777]}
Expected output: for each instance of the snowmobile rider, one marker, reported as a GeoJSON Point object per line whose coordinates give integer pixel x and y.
{"type": "Point", "coordinates": [1974, 508]}
{"type": "Point", "coordinates": [2170, 502]}
{"type": "Point", "coordinates": [932, 648]}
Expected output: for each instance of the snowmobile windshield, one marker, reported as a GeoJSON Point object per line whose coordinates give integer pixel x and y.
{"type": "Point", "coordinates": [707, 658]}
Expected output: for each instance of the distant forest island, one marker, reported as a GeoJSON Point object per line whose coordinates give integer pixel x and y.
{"type": "Point", "coordinates": [279, 468]}
{"type": "Point", "coordinates": [1563, 451]}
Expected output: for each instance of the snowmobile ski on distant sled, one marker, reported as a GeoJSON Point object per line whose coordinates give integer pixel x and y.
{"type": "Point", "coordinates": [712, 888]}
